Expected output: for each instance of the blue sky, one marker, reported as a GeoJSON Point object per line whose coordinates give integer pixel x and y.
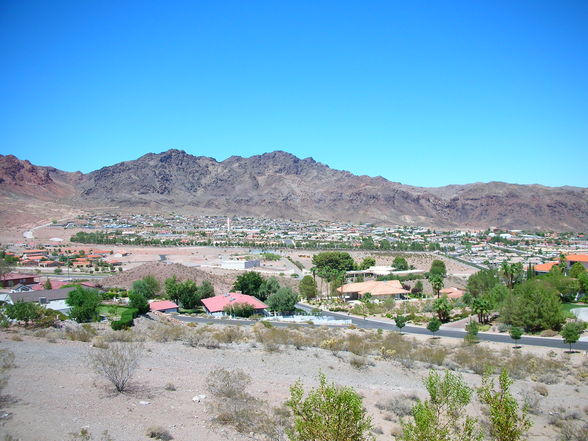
{"type": "Point", "coordinates": [421, 92]}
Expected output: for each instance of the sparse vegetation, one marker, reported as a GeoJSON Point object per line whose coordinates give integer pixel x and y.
{"type": "Point", "coordinates": [117, 363]}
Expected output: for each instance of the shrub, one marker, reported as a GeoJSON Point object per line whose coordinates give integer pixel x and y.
{"type": "Point", "coordinates": [400, 406]}
{"type": "Point", "coordinates": [160, 433]}
{"type": "Point", "coordinates": [117, 363]}
{"type": "Point", "coordinates": [239, 310]}
{"type": "Point", "coordinates": [234, 406]}
{"type": "Point", "coordinates": [126, 319]}
{"type": "Point", "coordinates": [506, 422]}
{"type": "Point", "coordinates": [441, 417]}
{"type": "Point", "coordinates": [328, 412]}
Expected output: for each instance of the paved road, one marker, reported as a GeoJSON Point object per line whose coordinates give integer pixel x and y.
{"type": "Point", "coordinates": [556, 343]}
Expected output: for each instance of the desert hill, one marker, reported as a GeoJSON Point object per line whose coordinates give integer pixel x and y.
{"type": "Point", "coordinates": [280, 185]}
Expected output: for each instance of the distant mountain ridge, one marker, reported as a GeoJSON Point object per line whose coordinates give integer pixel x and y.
{"type": "Point", "coordinates": [280, 185]}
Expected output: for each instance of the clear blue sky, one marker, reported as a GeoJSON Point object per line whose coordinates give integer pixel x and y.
{"type": "Point", "coordinates": [421, 92]}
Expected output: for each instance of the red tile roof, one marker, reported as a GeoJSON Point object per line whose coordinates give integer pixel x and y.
{"type": "Point", "coordinates": [17, 276]}
{"type": "Point", "coordinates": [55, 284]}
{"type": "Point", "coordinates": [544, 267]}
{"type": "Point", "coordinates": [577, 258]}
{"type": "Point", "coordinates": [162, 305]}
{"type": "Point", "coordinates": [218, 303]}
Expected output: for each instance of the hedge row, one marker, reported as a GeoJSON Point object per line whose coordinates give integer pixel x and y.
{"type": "Point", "coordinates": [126, 319]}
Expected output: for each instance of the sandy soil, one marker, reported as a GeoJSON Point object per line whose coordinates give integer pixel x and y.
{"type": "Point", "coordinates": [57, 393]}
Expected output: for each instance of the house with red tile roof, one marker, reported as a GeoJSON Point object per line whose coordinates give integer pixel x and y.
{"type": "Point", "coordinates": [163, 306]}
{"type": "Point", "coordinates": [571, 259]}
{"type": "Point", "coordinates": [216, 305]}
{"type": "Point", "coordinates": [379, 289]}
{"type": "Point", "coordinates": [13, 279]}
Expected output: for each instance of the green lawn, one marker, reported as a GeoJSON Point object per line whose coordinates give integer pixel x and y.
{"type": "Point", "coordinates": [111, 310]}
{"type": "Point", "coordinates": [566, 307]}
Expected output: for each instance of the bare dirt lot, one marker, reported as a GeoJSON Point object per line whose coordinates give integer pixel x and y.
{"type": "Point", "coordinates": [55, 392]}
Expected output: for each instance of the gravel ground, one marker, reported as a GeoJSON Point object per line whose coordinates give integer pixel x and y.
{"type": "Point", "coordinates": [56, 393]}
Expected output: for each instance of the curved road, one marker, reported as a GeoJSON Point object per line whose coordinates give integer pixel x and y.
{"type": "Point", "coordinates": [556, 343]}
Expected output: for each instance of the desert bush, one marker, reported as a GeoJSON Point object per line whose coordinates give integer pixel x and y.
{"type": "Point", "coordinates": [99, 342]}
{"type": "Point", "coordinates": [400, 406]}
{"type": "Point", "coordinates": [328, 412]}
{"type": "Point", "coordinates": [170, 387]}
{"type": "Point", "coordinates": [85, 435]}
{"type": "Point", "coordinates": [476, 358]}
{"type": "Point", "coordinates": [549, 378]}
{"type": "Point", "coordinates": [532, 401]}
{"type": "Point", "coordinates": [232, 405]}
{"type": "Point", "coordinates": [360, 362]}
{"type": "Point", "coordinates": [572, 431]}
{"type": "Point", "coordinates": [541, 389]}
{"type": "Point", "coordinates": [83, 333]}
{"type": "Point", "coordinates": [442, 416]}
{"type": "Point", "coordinates": [6, 363]}
{"type": "Point", "coordinates": [201, 339]}
{"type": "Point", "coordinates": [230, 334]}
{"type": "Point", "coordinates": [163, 332]}
{"type": "Point", "coordinates": [160, 433]}
{"type": "Point", "coordinates": [357, 344]}
{"type": "Point", "coordinates": [506, 421]}
{"type": "Point", "coordinates": [433, 355]}
{"type": "Point", "coordinates": [117, 363]}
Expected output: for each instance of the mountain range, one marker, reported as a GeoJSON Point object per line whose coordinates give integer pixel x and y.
{"type": "Point", "coordinates": [280, 185]}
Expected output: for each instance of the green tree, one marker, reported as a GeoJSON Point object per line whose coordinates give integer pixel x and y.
{"type": "Point", "coordinates": [172, 289]}
{"type": "Point", "coordinates": [516, 333]}
{"type": "Point", "coordinates": [438, 268]}
{"type": "Point", "coordinates": [367, 263]}
{"type": "Point", "coordinates": [571, 332]}
{"type": "Point", "coordinates": [534, 306]}
{"type": "Point", "coordinates": [482, 308]}
{"type": "Point", "coordinates": [268, 288]}
{"type": "Point", "coordinates": [400, 264]}
{"type": "Point", "coordinates": [47, 284]}
{"type": "Point", "coordinates": [418, 288]}
{"type": "Point", "coordinates": [328, 413]}
{"type": "Point", "coordinates": [400, 321]}
{"type": "Point", "coordinates": [436, 282]}
{"type": "Point", "coordinates": [153, 285]}
{"type": "Point", "coordinates": [482, 282]}
{"type": "Point", "coordinates": [583, 280]}
{"type": "Point", "coordinates": [507, 422]}
{"type": "Point", "coordinates": [283, 300]}
{"type": "Point", "coordinates": [577, 269]}
{"type": "Point", "coordinates": [206, 290]}
{"type": "Point", "coordinates": [189, 293]}
{"type": "Point", "coordinates": [472, 330]}
{"type": "Point", "coordinates": [512, 273]}
{"type": "Point", "coordinates": [434, 325]}
{"type": "Point", "coordinates": [442, 416]}
{"type": "Point", "coordinates": [443, 307]}
{"type": "Point", "coordinates": [24, 311]}
{"type": "Point", "coordinates": [307, 287]}
{"type": "Point", "coordinates": [333, 260]}
{"type": "Point", "coordinates": [143, 288]}
{"type": "Point", "coordinates": [249, 283]}
{"type": "Point", "coordinates": [139, 302]}
{"type": "Point", "coordinates": [84, 304]}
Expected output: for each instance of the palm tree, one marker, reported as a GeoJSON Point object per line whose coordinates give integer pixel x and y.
{"type": "Point", "coordinates": [436, 283]}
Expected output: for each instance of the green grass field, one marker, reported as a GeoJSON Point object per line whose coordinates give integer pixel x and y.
{"type": "Point", "coordinates": [111, 310]}
{"type": "Point", "coordinates": [566, 307]}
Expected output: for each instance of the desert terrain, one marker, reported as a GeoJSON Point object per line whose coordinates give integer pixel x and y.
{"type": "Point", "coordinates": [53, 391]}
